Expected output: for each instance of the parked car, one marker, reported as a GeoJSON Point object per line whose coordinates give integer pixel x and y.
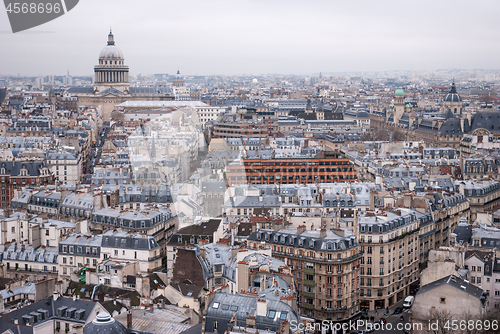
{"type": "Point", "coordinates": [398, 310]}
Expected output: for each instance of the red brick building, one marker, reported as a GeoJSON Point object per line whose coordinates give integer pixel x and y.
{"type": "Point", "coordinates": [18, 174]}
{"type": "Point", "coordinates": [325, 167]}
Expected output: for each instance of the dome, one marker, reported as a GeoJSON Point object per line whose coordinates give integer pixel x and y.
{"type": "Point", "coordinates": [399, 92]}
{"type": "Point", "coordinates": [178, 75]}
{"type": "Point", "coordinates": [255, 80]}
{"type": "Point", "coordinates": [111, 51]}
{"type": "Point", "coordinates": [453, 96]}
{"type": "Point", "coordinates": [104, 324]}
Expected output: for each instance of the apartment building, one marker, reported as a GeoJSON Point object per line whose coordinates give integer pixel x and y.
{"type": "Point", "coordinates": [325, 265]}
{"type": "Point", "coordinates": [24, 261]}
{"type": "Point", "coordinates": [482, 194]}
{"type": "Point", "coordinates": [132, 247]}
{"type": "Point", "coordinates": [157, 223]}
{"type": "Point", "coordinates": [66, 166]}
{"type": "Point", "coordinates": [390, 245]}
{"type": "Point", "coordinates": [78, 251]}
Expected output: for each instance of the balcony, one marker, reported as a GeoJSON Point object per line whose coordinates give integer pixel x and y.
{"type": "Point", "coordinates": [308, 271]}
{"type": "Point", "coordinates": [308, 306]}
{"type": "Point", "coordinates": [309, 283]}
{"type": "Point", "coordinates": [309, 295]}
{"type": "Point", "coordinates": [155, 258]}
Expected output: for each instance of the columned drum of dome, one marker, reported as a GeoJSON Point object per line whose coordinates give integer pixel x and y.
{"type": "Point", "coordinates": [111, 71]}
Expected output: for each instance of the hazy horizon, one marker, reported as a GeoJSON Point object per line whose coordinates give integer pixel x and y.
{"type": "Point", "coordinates": [259, 37]}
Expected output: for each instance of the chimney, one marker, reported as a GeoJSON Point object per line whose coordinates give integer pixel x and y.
{"type": "Point", "coordinates": [301, 229]}
{"type": "Point", "coordinates": [322, 233]}
{"type": "Point", "coordinates": [55, 296]}
{"type": "Point", "coordinates": [74, 297]}
{"type": "Point", "coordinates": [261, 307]}
{"type": "Point", "coordinates": [129, 319]}
{"type": "Point", "coordinates": [15, 321]}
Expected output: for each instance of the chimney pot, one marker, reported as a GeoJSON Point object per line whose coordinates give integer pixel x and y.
{"type": "Point", "coordinates": [129, 319]}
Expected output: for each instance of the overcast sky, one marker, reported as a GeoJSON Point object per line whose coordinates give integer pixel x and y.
{"type": "Point", "coordinates": [260, 37]}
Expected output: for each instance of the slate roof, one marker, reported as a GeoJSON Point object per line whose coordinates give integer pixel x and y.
{"type": "Point", "coordinates": [122, 239]}
{"type": "Point", "coordinates": [50, 307]}
{"type": "Point", "coordinates": [455, 282]}
{"type": "Point", "coordinates": [463, 232]}
{"type": "Point", "coordinates": [204, 229]}
{"type": "Point", "coordinates": [13, 168]}
{"type": "Point", "coordinates": [81, 90]}
{"type": "Point", "coordinates": [308, 239]}
{"type": "Point", "coordinates": [226, 305]}
{"type": "Point", "coordinates": [489, 120]}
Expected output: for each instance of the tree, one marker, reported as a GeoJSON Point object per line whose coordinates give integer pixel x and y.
{"type": "Point", "coordinates": [439, 321]}
{"type": "Point", "coordinates": [491, 318]}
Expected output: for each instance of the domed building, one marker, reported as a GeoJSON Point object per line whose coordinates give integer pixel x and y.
{"type": "Point", "coordinates": [111, 84]}
{"type": "Point", "coordinates": [104, 324]}
{"type": "Point", "coordinates": [399, 105]}
{"type": "Point", "coordinates": [453, 101]}
{"type": "Point", "coordinates": [111, 71]}
{"type": "Point", "coordinates": [178, 80]}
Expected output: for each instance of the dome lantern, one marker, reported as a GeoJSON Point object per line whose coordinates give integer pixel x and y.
{"type": "Point", "coordinates": [111, 38]}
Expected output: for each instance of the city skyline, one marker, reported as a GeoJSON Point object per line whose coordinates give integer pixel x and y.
{"type": "Point", "coordinates": [255, 38]}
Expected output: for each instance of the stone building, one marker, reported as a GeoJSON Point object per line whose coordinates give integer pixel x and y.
{"type": "Point", "coordinates": [325, 265]}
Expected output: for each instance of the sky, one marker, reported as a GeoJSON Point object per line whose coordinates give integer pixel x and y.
{"type": "Point", "coordinates": [255, 37]}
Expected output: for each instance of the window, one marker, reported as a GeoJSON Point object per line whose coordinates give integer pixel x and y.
{"type": "Point", "coordinates": [473, 280]}
{"type": "Point", "coordinates": [479, 268]}
{"type": "Point", "coordinates": [443, 300]}
{"type": "Point", "coordinates": [479, 280]}
{"type": "Point", "coordinates": [216, 305]}
{"type": "Point", "coordinates": [272, 314]}
{"type": "Point", "coordinates": [13, 229]}
{"type": "Point", "coordinates": [116, 251]}
{"type": "Point", "coordinates": [216, 325]}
